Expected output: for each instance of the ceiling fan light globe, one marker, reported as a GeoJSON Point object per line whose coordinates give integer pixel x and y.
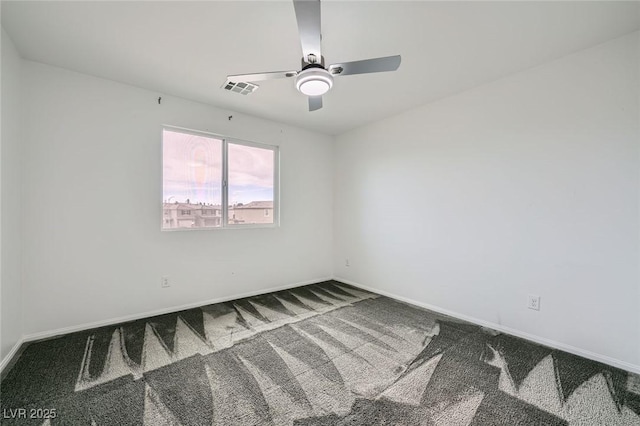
{"type": "Point", "coordinates": [314, 82]}
{"type": "Point", "coordinates": [314, 87]}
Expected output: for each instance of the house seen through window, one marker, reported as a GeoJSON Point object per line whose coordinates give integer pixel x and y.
{"type": "Point", "coordinates": [213, 182]}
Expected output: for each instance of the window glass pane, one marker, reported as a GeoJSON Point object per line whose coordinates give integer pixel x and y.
{"type": "Point", "coordinates": [251, 171]}
{"type": "Point", "coordinates": [191, 181]}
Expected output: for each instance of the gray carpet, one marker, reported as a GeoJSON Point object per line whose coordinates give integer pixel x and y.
{"type": "Point", "coordinates": [324, 354]}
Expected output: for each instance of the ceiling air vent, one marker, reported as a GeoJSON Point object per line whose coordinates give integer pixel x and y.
{"type": "Point", "coordinates": [242, 88]}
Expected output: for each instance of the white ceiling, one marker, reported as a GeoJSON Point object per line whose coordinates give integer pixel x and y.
{"type": "Point", "coordinates": [186, 49]}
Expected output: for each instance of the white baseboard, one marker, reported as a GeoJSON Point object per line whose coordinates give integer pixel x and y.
{"type": "Point", "coordinates": [7, 359]}
{"type": "Point", "coordinates": [87, 326]}
{"type": "Point", "coordinates": [531, 337]}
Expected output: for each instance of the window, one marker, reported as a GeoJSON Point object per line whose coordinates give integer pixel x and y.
{"type": "Point", "coordinates": [251, 189]}
{"type": "Point", "coordinates": [217, 182]}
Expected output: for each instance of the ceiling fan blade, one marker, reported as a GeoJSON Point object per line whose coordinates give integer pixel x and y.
{"type": "Point", "coordinates": [388, 63]}
{"type": "Point", "coordinates": [241, 78]}
{"type": "Point", "coordinates": [315, 103]}
{"type": "Point", "coordinates": [308, 17]}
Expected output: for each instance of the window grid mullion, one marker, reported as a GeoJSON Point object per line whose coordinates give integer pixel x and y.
{"type": "Point", "coordinates": [225, 184]}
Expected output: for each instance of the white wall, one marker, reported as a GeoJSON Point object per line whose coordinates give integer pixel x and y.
{"type": "Point", "coordinates": [10, 190]}
{"type": "Point", "coordinates": [529, 184]}
{"type": "Point", "coordinates": [93, 249]}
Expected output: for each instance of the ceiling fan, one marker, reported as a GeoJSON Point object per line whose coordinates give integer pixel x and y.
{"type": "Point", "coordinates": [314, 80]}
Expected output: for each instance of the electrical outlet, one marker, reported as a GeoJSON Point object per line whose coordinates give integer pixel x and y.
{"type": "Point", "coordinates": [346, 262]}
{"type": "Point", "coordinates": [164, 282]}
{"type": "Point", "coordinates": [534, 302]}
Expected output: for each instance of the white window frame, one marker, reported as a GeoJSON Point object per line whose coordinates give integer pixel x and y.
{"type": "Point", "coordinates": [225, 180]}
